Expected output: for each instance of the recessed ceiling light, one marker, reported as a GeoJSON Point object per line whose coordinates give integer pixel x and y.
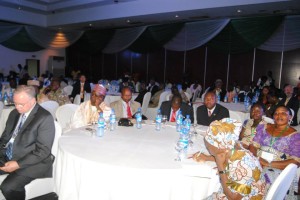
{"type": "Point", "coordinates": [128, 21]}
{"type": "Point", "coordinates": [19, 8]}
{"type": "Point", "coordinates": [238, 11]}
{"type": "Point", "coordinates": [90, 24]}
{"type": "Point", "coordinates": [176, 16]}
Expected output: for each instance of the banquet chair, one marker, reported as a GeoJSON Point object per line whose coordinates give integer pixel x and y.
{"type": "Point", "coordinates": [282, 183]}
{"type": "Point", "coordinates": [151, 112]}
{"type": "Point", "coordinates": [68, 90]}
{"type": "Point", "coordinates": [65, 113]}
{"type": "Point", "coordinates": [146, 101]}
{"type": "Point", "coordinates": [77, 100]}
{"type": "Point", "coordinates": [51, 106]}
{"type": "Point", "coordinates": [188, 90]}
{"type": "Point", "coordinates": [196, 95]}
{"type": "Point", "coordinates": [87, 96]}
{"type": "Point", "coordinates": [235, 115]}
{"type": "Point", "coordinates": [41, 186]}
{"type": "Point", "coordinates": [188, 95]}
{"type": "Point", "coordinates": [268, 119]}
{"type": "Point", "coordinates": [1, 108]}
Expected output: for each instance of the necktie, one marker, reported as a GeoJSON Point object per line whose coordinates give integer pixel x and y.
{"type": "Point", "coordinates": [129, 115]}
{"type": "Point", "coordinates": [9, 149]}
{"type": "Point", "coordinates": [286, 101]}
{"type": "Point", "coordinates": [209, 113]}
{"type": "Point", "coordinates": [173, 117]}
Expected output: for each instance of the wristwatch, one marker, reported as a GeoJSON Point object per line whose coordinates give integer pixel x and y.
{"type": "Point", "coordinates": [223, 172]}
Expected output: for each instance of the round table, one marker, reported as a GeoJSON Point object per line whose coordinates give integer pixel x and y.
{"type": "Point", "coordinates": [129, 163]}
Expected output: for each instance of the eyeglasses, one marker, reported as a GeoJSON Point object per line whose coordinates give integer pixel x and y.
{"type": "Point", "coordinates": [21, 105]}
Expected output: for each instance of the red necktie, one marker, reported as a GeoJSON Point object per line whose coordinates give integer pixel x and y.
{"type": "Point", "coordinates": [173, 117]}
{"type": "Point", "coordinates": [129, 115]}
{"type": "Point", "coordinates": [209, 113]}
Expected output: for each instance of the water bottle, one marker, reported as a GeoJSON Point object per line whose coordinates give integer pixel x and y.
{"type": "Point", "coordinates": [187, 123]}
{"type": "Point", "coordinates": [235, 99]}
{"type": "Point", "coordinates": [246, 104]}
{"type": "Point", "coordinates": [0, 96]}
{"type": "Point", "coordinates": [158, 120]}
{"type": "Point", "coordinates": [179, 119]}
{"type": "Point", "coordinates": [112, 120]}
{"type": "Point", "coordinates": [218, 98]}
{"type": "Point", "coordinates": [183, 142]}
{"type": "Point", "coordinates": [225, 99]}
{"type": "Point", "coordinates": [101, 125]}
{"type": "Point", "coordinates": [11, 95]}
{"type": "Point", "coordinates": [138, 117]}
{"type": "Point", "coordinates": [5, 99]}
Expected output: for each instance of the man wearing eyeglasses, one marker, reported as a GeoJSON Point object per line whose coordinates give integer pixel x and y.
{"type": "Point", "coordinates": [25, 144]}
{"type": "Point", "coordinates": [88, 112]}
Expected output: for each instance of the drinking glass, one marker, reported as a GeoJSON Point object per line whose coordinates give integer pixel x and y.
{"type": "Point", "coordinates": [164, 120]}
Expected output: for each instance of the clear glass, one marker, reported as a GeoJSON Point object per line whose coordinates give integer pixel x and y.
{"type": "Point", "coordinates": [164, 120]}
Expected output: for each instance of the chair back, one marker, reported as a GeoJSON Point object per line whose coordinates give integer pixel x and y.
{"type": "Point", "coordinates": [68, 90]}
{"type": "Point", "coordinates": [163, 97]}
{"type": "Point", "coordinates": [188, 95]}
{"type": "Point", "coordinates": [1, 107]}
{"type": "Point", "coordinates": [196, 95]}
{"type": "Point", "coordinates": [51, 106]}
{"type": "Point", "coordinates": [235, 115]}
{"type": "Point", "coordinates": [146, 101]}
{"type": "Point", "coordinates": [77, 100]}
{"type": "Point", "coordinates": [87, 96]}
{"type": "Point", "coordinates": [188, 90]}
{"type": "Point", "coordinates": [64, 114]}
{"type": "Point", "coordinates": [268, 119]}
{"type": "Point", "coordinates": [282, 183]}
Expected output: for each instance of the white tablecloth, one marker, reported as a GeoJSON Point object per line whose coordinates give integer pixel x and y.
{"type": "Point", "coordinates": [129, 163]}
{"type": "Point", "coordinates": [4, 116]}
{"type": "Point", "coordinates": [109, 98]}
{"type": "Point", "coordinates": [236, 110]}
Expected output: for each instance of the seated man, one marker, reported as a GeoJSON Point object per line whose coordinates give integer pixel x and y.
{"type": "Point", "coordinates": [125, 107]}
{"type": "Point", "coordinates": [210, 111]}
{"type": "Point", "coordinates": [25, 144]}
{"type": "Point", "coordinates": [81, 87]}
{"type": "Point", "coordinates": [171, 108]}
{"type": "Point", "coordinates": [88, 112]}
{"type": "Point", "coordinates": [54, 93]}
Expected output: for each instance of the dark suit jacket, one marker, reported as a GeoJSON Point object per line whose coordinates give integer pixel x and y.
{"type": "Point", "coordinates": [76, 88]}
{"type": "Point", "coordinates": [32, 145]}
{"type": "Point", "coordinates": [219, 113]}
{"type": "Point", "coordinates": [165, 109]}
{"type": "Point", "coordinates": [293, 104]}
{"type": "Point", "coordinates": [154, 89]}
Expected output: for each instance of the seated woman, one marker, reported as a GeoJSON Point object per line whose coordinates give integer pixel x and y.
{"type": "Point", "coordinates": [249, 127]}
{"type": "Point", "coordinates": [277, 145]}
{"type": "Point", "coordinates": [240, 172]}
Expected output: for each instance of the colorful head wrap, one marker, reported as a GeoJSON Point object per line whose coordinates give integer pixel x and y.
{"type": "Point", "coordinates": [224, 133]}
{"type": "Point", "coordinates": [100, 89]}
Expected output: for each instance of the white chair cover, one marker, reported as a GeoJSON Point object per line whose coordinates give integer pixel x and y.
{"type": "Point", "coordinates": [1, 108]}
{"type": "Point", "coordinates": [87, 96]}
{"type": "Point", "coordinates": [236, 116]}
{"type": "Point", "coordinates": [51, 106]}
{"type": "Point", "coordinates": [77, 100]}
{"type": "Point", "coordinates": [188, 95]}
{"type": "Point", "coordinates": [151, 112]}
{"type": "Point", "coordinates": [196, 95]}
{"type": "Point", "coordinates": [188, 90]}
{"type": "Point", "coordinates": [268, 119]}
{"type": "Point", "coordinates": [64, 114]}
{"type": "Point", "coordinates": [68, 90]}
{"type": "Point", "coordinates": [282, 183]}
{"type": "Point", "coordinates": [41, 186]}
{"type": "Point", "coordinates": [146, 101]}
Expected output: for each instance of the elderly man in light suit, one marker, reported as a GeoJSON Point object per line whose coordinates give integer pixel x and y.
{"type": "Point", "coordinates": [25, 145]}
{"type": "Point", "coordinates": [125, 107]}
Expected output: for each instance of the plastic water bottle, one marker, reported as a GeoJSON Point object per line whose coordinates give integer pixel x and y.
{"type": "Point", "coordinates": [112, 120]}
{"type": "Point", "coordinates": [246, 104]}
{"type": "Point", "coordinates": [187, 123]}
{"type": "Point", "coordinates": [183, 142]}
{"type": "Point", "coordinates": [235, 99]}
{"type": "Point", "coordinates": [0, 96]}
{"type": "Point", "coordinates": [11, 95]}
{"type": "Point", "coordinates": [218, 98]}
{"type": "Point", "coordinates": [138, 117]}
{"type": "Point", "coordinates": [101, 125]}
{"type": "Point", "coordinates": [158, 120]}
{"type": "Point", "coordinates": [5, 99]}
{"type": "Point", "coordinates": [179, 120]}
{"type": "Point", "coordinates": [225, 99]}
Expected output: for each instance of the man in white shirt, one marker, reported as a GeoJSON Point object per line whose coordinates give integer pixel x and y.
{"type": "Point", "coordinates": [88, 111]}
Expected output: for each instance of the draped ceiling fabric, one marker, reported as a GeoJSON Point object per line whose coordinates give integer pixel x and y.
{"type": "Point", "coordinates": [154, 37]}
{"type": "Point", "coordinates": [22, 42]}
{"type": "Point", "coordinates": [196, 34]}
{"type": "Point", "coordinates": [242, 35]}
{"type": "Point", "coordinates": [52, 39]}
{"type": "Point", "coordinates": [286, 38]}
{"type": "Point", "coordinates": [123, 38]}
{"type": "Point", "coordinates": [8, 30]}
{"type": "Point", "coordinates": [93, 41]}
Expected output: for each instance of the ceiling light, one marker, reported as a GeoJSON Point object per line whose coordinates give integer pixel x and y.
{"type": "Point", "coordinates": [19, 8]}
{"type": "Point", "coordinates": [90, 24]}
{"type": "Point", "coordinates": [128, 21]}
{"type": "Point", "coordinates": [239, 11]}
{"type": "Point", "coordinates": [176, 16]}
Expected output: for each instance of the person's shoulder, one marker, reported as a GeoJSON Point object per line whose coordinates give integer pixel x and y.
{"type": "Point", "coordinates": [202, 107]}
